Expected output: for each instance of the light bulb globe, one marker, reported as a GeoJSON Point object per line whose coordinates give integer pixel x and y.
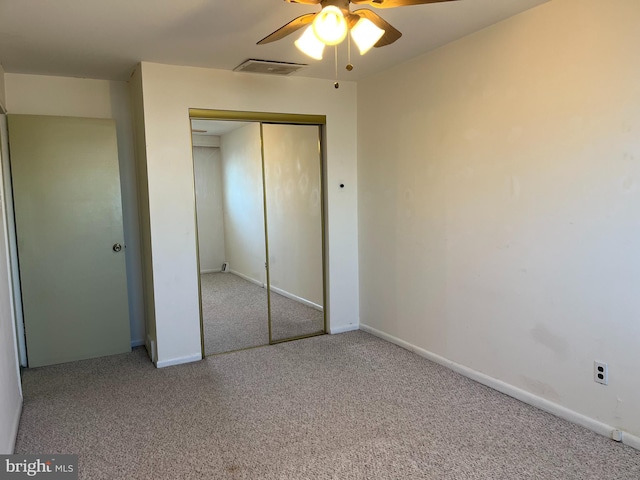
{"type": "Point", "coordinates": [366, 34]}
{"type": "Point", "coordinates": [310, 45]}
{"type": "Point", "coordinates": [330, 26]}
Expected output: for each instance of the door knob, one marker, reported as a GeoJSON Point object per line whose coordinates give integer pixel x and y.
{"type": "Point", "coordinates": [117, 247]}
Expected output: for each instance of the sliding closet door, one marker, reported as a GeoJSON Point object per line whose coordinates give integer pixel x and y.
{"type": "Point", "coordinates": [293, 195]}
{"type": "Point", "coordinates": [230, 219]}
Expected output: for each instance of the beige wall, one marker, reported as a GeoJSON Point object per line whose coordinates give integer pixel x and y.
{"type": "Point", "coordinates": [169, 92]}
{"type": "Point", "coordinates": [243, 202]}
{"type": "Point", "coordinates": [142, 188]}
{"type": "Point", "coordinates": [207, 165]}
{"type": "Point", "coordinates": [294, 210]}
{"type": "Point", "coordinates": [3, 102]}
{"type": "Point", "coordinates": [499, 191]}
{"type": "Point", "coordinates": [293, 206]}
{"type": "Point", "coordinates": [78, 97]}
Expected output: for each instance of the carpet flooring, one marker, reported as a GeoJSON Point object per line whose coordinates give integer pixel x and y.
{"type": "Point", "coordinates": [347, 406]}
{"type": "Point", "coordinates": [235, 314]}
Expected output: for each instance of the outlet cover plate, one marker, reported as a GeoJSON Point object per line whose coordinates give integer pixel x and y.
{"type": "Point", "coordinates": [601, 372]}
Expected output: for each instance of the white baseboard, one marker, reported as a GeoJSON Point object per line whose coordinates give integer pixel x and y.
{"type": "Point", "coordinates": [247, 278]}
{"type": "Point", "coordinates": [284, 293]}
{"type": "Point", "coordinates": [515, 392]}
{"type": "Point", "coordinates": [196, 357]}
{"type": "Point", "coordinates": [215, 270]}
{"type": "Point", "coordinates": [304, 301]}
{"type": "Point", "coordinates": [137, 343]}
{"type": "Point", "coordinates": [632, 440]}
{"type": "Point", "coordinates": [344, 328]}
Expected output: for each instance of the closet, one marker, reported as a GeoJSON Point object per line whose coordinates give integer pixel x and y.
{"type": "Point", "coordinates": [260, 221]}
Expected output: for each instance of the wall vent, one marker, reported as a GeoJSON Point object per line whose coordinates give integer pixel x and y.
{"type": "Point", "coordinates": [268, 67]}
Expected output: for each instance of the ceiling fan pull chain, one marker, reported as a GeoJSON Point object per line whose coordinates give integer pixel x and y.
{"type": "Point", "coordinates": [349, 66]}
{"type": "Point", "coordinates": [336, 84]}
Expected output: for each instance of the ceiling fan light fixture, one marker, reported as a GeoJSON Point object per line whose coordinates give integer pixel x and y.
{"type": "Point", "coordinates": [309, 44]}
{"type": "Point", "coordinates": [330, 26]}
{"type": "Point", "coordinates": [366, 34]}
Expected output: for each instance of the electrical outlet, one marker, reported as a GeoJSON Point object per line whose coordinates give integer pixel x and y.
{"type": "Point", "coordinates": [601, 373]}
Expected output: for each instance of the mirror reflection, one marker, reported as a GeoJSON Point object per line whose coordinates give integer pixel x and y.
{"type": "Point", "coordinates": [258, 190]}
{"type": "Point", "coordinates": [294, 228]}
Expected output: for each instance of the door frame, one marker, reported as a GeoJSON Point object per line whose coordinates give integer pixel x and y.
{"type": "Point", "coordinates": [272, 118]}
{"type": "Point", "coordinates": [14, 272]}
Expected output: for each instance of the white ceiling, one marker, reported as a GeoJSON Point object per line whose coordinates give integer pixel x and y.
{"type": "Point", "coordinates": [107, 38]}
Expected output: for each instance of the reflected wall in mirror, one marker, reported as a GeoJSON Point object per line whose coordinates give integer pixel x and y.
{"type": "Point", "coordinates": [252, 178]}
{"type": "Point", "coordinates": [293, 188]}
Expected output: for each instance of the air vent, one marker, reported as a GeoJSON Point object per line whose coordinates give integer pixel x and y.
{"type": "Point", "coordinates": [268, 67]}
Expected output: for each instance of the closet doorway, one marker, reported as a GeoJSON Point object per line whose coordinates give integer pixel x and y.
{"type": "Point", "coordinates": [260, 221]}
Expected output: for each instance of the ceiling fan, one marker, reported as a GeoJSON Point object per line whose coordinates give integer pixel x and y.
{"type": "Point", "coordinates": [331, 25]}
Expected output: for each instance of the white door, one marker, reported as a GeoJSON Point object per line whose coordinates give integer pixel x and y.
{"type": "Point", "coordinates": [66, 187]}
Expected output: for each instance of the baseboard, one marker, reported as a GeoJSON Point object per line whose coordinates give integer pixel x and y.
{"type": "Point", "coordinates": [291, 296]}
{"type": "Point", "coordinates": [137, 343]}
{"type": "Point", "coordinates": [344, 328]}
{"type": "Point", "coordinates": [179, 361]}
{"type": "Point", "coordinates": [515, 392]}
{"type": "Point", "coordinates": [247, 278]}
{"type": "Point", "coordinates": [632, 440]}
{"type": "Point", "coordinates": [215, 270]}
{"type": "Point", "coordinates": [284, 293]}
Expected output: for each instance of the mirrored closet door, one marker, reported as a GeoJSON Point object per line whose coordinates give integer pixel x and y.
{"type": "Point", "coordinates": [293, 194]}
{"type": "Point", "coordinates": [259, 215]}
{"type": "Point", "coordinates": [227, 163]}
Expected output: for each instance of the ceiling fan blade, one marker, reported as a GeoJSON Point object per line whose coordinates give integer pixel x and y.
{"type": "Point", "coordinates": [391, 34]}
{"type": "Point", "coordinates": [306, 2]}
{"type": "Point", "coordinates": [289, 28]}
{"type": "Point", "coordinates": [395, 3]}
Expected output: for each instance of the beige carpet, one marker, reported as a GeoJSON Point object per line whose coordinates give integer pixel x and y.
{"type": "Point", "coordinates": [347, 406]}
{"type": "Point", "coordinates": [235, 315]}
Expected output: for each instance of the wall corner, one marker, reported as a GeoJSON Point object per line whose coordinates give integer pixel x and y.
{"type": "Point", "coordinates": [3, 96]}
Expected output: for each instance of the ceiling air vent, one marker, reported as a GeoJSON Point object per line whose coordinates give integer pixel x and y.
{"type": "Point", "coordinates": [269, 67]}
